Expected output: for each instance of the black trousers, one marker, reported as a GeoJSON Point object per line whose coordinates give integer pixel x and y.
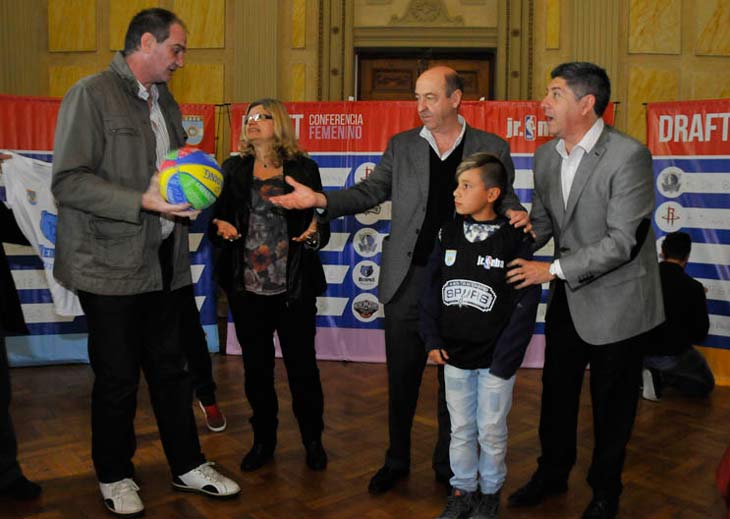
{"type": "Point", "coordinates": [195, 347]}
{"type": "Point", "coordinates": [406, 358]}
{"type": "Point", "coordinates": [9, 468]}
{"type": "Point", "coordinates": [615, 374]}
{"type": "Point", "coordinates": [256, 318]}
{"type": "Point", "coordinates": [127, 333]}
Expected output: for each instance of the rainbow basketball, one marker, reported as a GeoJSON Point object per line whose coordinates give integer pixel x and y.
{"type": "Point", "coordinates": [190, 175]}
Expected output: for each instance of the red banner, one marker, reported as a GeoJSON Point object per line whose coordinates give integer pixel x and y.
{"type": "Point", "coordinates": [690, 143]}
{"type": "Point", "coordinates": [689, 128]}
{"type": "Point", "coordinates": [28, 123]}
{"type": "Point", "coordinates": [342, 126]}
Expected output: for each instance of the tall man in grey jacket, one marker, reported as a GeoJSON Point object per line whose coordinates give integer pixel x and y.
{"type": "Point", "coordinates": [594, 196]}
{"type": "Point", "coordinates": [416, 172]}
{"type": "Point", "coordinates": [125, 251]}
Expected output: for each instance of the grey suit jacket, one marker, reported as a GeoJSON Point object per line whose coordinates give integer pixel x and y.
{"type": "Point", "coordinates": [403, 177]}
{"type": "Point", "coordinates": [604, 237]}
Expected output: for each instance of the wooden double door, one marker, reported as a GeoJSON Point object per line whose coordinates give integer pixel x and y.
{"type": "Point", "coordinates": [394, 78]}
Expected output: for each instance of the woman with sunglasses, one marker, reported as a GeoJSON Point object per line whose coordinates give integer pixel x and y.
{"type": "Point", "coordinates": [269, 267]}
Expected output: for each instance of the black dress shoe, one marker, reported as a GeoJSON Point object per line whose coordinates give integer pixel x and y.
{"type": "Point", "coordinates": [385, 479]}
{"type": "Point", "coordinates": [537, 489]}
{"type": "Point", "coordinates": [601, 509]}
{"type": "Point", "coordinates": [257, 457]}
{"type": "Point", "coordinates": [316, 456]}
{"type": "Point", "coordinates": [22, 489]}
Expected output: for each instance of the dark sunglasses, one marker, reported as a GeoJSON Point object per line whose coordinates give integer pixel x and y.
{"type": "Point", "coordinates": [256, 118]}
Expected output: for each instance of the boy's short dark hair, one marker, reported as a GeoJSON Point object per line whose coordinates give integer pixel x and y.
{"type": "Point", "coordinates": [585, 78]}
{"type": "Point", "coordinates": [156, 21]}
{"type": "Point", "coordinates": [491, 170]}
{"type": "Point", "coordinates": [676, 245]}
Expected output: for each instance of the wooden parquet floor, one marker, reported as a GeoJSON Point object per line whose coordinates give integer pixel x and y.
{"type": "Point", "coordinates": [669, 474]}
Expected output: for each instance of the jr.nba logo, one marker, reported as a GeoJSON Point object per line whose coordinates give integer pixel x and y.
{"type": "Point", "coordinates": [530, 128]}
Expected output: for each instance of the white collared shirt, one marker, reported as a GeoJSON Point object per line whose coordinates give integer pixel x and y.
{"type": "Point", "coordinates": [426, 134]}
{"type": "Point", "coordinates": [568, 167]}
{"type": "Point", "coordinates": [571, 161]}
{"type": "Point", "coordinates": [162, 140]}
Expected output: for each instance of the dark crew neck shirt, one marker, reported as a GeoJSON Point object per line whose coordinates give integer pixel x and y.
{"type": "Point", "coordinates": [440, 206]}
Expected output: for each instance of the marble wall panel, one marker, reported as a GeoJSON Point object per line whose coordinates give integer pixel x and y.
{"type": "Point", "coordinates": [552, 24]}
{"type": "Point", "coordinates": [655, 26]}
{"type": "Point", "coordinates": [713, 28]}
{"type": "Point", "coordinates": [71, 25]}
{"type": "Point", "coordinates": [648, 84]}
{"type": "Point", "coordinates": [205, 22]}
{"type": "Point", "coordinates": [298, 24]}
{"type": "Point", "coordinates": [198, 83]}
{"type": "Point", "coordinates": [61, 78]}
{"type": "Point", "coordinates": [120, 14]}
{"type": "Point", "coordinates": [711, 84]}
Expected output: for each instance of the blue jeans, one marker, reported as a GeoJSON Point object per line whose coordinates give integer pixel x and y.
{"type": "Point", "coordinates": [479, 403]}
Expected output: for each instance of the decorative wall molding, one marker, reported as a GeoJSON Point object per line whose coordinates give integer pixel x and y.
{"type": "Point", "coordinates": [452, 37]}
{"type": "Point", "coordinates": [426, 12]}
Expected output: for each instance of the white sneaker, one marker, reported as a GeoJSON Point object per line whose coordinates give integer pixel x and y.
{"type": "Point", "coordinates": [206, 480]}
{"type": "Point", "coordinates": [121, 498]}
{"type": "Point", "coordinates": [651, 389]}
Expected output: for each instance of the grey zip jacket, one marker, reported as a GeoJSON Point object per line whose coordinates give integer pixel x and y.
{"type": "Point", "coordinates": [104, 157]}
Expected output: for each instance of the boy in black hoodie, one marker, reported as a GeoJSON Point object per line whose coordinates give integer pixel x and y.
{"type": "Point", "coordinates": [479, 326]}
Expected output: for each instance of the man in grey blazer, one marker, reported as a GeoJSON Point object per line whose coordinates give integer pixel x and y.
{"type": "Point", "coordinates": [594, 196]}
{"type": "Point", "coordinates": [416, 172]}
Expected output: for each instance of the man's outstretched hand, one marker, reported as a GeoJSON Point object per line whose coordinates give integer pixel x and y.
{"type": "Point", "coordinates": [303, 197]}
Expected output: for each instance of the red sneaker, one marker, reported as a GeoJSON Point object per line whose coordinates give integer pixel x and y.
{"type": "Point", "coordinates": [214, 418]}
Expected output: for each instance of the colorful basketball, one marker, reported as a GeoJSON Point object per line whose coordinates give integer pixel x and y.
{"type": "Point", "coordinates": [190, 175]}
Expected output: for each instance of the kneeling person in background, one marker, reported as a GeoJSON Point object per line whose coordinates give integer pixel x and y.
{"type": "Point", "coordinates": [479, 326]}
{"type": "Point", "coordinates": [671, 360]}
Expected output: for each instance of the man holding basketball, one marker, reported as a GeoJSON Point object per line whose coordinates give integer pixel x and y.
{"type": "Point", "coordinates": [125, 251]}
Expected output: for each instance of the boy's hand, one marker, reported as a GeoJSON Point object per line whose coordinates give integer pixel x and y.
{"type": "Point", "coordinates": [438, 356]}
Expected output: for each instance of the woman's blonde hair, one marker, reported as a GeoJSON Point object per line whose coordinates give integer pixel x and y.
{"type": "Point", "coordinates": [285, 142]}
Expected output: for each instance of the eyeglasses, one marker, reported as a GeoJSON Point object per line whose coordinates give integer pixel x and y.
{"type": "Point", "coordinates": [256, 118]}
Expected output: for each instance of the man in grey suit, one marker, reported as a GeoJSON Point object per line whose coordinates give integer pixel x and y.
{"type": "Point", "coordinates": [416, 172]}
{"type": "Point", "coordinates": [594, 196]}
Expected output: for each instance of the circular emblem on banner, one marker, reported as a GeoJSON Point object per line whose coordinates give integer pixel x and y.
{"type": "Point", "coordinates": [669, 182]}
{"type": "Point", "coordinates": [365, 275]}
{"type": "Point", "coordinates": [366, 242]}
{"type": "Point", "coordinates": [363, 171]}
{"type": "Point", "coordinates": [670, 216]}
{"type": "Point", "coordinates": [370, 216]}
{"type": "Point", "coordinates": [365, 307]}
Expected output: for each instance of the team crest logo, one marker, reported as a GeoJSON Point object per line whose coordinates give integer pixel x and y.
{"type": "Point", "coordinates": [32, 196]}
{"type": "Point", "coordinates": [670, 183]}
{"type": "Point", "coordinates": [365, 275]}
{"type": "Point", "coordinates": [450, 257]}
{"type": "Point", "coordinates": [365, 308]}
{"type": "Point", "coordinates": [464, 292]}
{"type": "Point", "coordinates": [193, 125]}
{"type": "Point", "coordinates": [366, 242]}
